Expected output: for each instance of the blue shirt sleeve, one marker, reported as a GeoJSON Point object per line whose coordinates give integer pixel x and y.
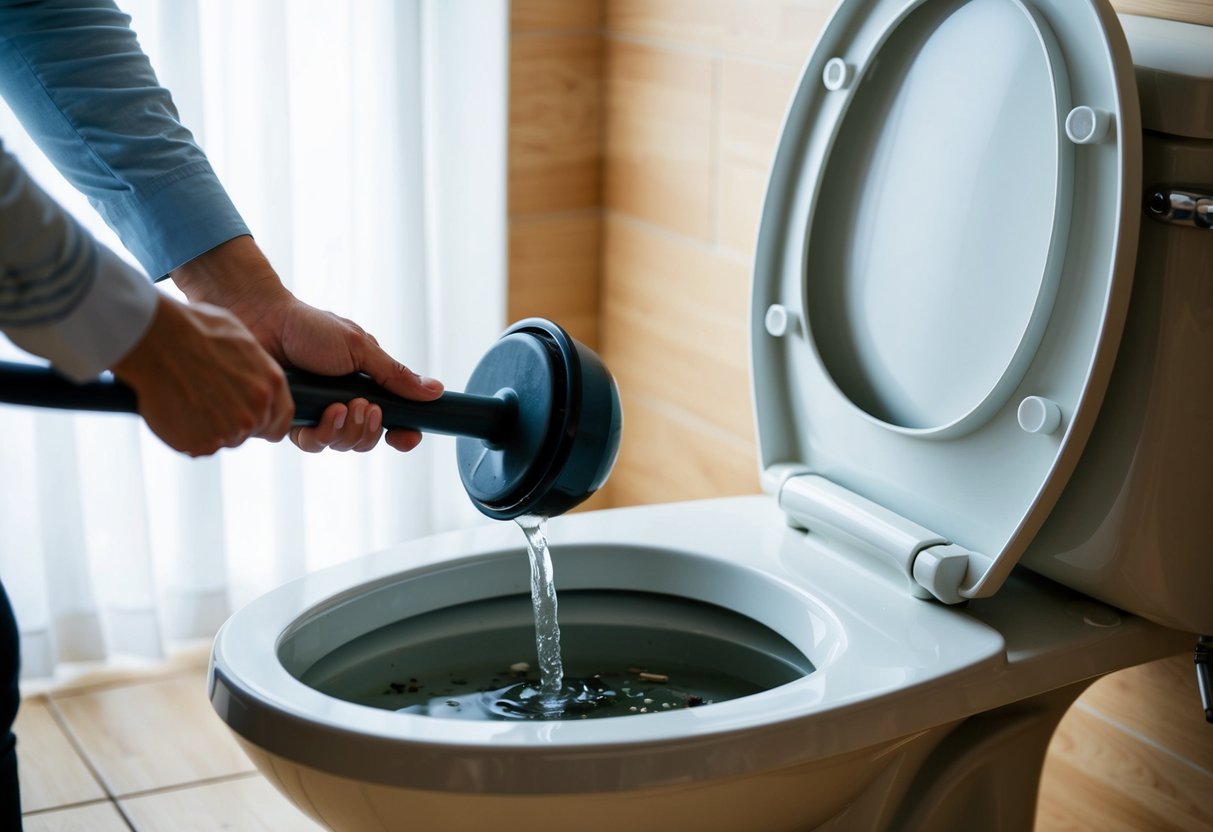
{"type": "Point", "coordinates": [74, 73]}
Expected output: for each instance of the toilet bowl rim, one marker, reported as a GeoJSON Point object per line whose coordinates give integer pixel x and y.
{"type": "Point", "coordinates": [827, 707]}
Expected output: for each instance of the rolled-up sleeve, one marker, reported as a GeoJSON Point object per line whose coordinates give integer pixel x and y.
{"type": "Point", "coordinates": [74, 73]}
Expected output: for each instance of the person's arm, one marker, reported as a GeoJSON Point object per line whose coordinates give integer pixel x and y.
{"type": "Point", "coordinates": [63, 296]}
{"type": "Point", "coordinates": [75, 74]}
{"type": "Point", "coordinates": [237, 276]}
{"type": "Point", "coordinates": [201, 380]}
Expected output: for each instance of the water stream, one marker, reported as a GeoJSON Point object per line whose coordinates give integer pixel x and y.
{"type": "Point", "coordinates": [543, 600]}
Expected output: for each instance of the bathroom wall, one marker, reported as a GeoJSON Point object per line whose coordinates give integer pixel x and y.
{"type": "Point", "coordinates": [555, 162]}
{"type": "Point", "coordinates": [555, 167]}
{"type": "Point", "coordinates": [640, 136]}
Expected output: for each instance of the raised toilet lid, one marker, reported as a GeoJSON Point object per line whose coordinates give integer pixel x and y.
{"type": "Point", "coordinates": [942, 273]}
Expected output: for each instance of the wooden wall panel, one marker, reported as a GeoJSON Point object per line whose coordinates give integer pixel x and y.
{"type": "Point", "coordinates": [753, 99]}
{"type": "Point", "coordinates": [669, 455]}
{"type": "Point", "coordinates": [555, 141]}
{"type": "Point", "coordinates": [659, 136]}
{"type": "Point", "coordinates": [529, 16]}
{"type": "Point", "coordinates": [766, 30]}
{"type": "Point", "coordinates": [556, 260]}
{"type": "Point", "coordinates": [555, 167]}
{"type": "Point", "coordinates": [675, 324]}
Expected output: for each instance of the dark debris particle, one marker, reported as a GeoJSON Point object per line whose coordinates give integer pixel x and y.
{"type": "Point", "coordinates": [693, 700]}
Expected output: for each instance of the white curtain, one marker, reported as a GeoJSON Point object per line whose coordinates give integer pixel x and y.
{"type": "Point", "coordinates": [364, 143]}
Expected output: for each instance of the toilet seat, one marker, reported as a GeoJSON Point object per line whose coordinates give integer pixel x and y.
{"type": "Point", "coordinates": [935, 312]}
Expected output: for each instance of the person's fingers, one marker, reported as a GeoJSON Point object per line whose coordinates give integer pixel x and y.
{"type": "Point", "coordinates": [372, 431]}
{"type": "Point", "coordinates": [281, 411]}
{"type": "Point", "coordinates": [402, 439]}
{"type": "Point", "coordinates": [325, 432]}
{"type": "Point", "coordinates": [391, 374]}
{"type": "Point", "coordinates": [355, 426]}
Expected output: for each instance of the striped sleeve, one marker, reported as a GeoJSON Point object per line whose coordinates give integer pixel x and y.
{"type": "Point", "coordinates": [63, 295]}
{"type": "Point", "coordinates": [45, 254]}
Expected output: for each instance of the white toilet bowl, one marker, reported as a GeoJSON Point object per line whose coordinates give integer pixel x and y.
{"type": "Point", "coordinates": [938, 398]}
{"type": "Point", "coordinates": [893, 677]}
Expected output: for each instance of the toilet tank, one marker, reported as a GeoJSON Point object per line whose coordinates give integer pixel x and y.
{"type": "Point", "coordinates": [1134, 526]}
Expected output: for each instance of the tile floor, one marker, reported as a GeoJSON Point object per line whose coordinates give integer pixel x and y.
{"type": "Point", "coordinates": [141, 751]}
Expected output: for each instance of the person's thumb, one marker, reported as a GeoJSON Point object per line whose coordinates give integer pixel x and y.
{"type": "Point", "coordinates": [395, 377]}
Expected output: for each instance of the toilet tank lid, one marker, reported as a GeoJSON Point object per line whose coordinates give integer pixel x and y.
{"type": "Point", "coordinates": [1174, 63]}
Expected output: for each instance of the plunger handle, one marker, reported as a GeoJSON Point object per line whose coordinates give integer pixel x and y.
{"type": "Point", "coordinates": [460, 414]}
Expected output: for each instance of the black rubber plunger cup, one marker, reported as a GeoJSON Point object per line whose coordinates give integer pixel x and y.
{"type": "Point", "coordinates": [538, 427]}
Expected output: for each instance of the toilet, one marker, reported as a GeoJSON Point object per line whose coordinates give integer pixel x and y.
{"type": "Point", "coordinates": [982, 338]}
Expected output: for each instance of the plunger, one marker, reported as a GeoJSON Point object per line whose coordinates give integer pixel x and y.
{"type": "Point", "coordinates": [538, 428]}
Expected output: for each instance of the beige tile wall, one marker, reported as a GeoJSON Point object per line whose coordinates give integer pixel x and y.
{"type": "Point", "coordinates": [691, 95]}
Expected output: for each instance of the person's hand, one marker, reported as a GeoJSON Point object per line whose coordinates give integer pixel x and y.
{"type": "Point", "coordinates": [302, 336]}
{"type": "Point", "coordinates": [236, 275]}
{"type": "Point", "coordinates": [203, 382]}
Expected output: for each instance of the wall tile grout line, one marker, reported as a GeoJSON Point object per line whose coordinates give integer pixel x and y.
{"type": "Point", "coordinates": [525, 217]}
{"type": "Point", "coordinates": [573, 32]}
{"type": "Point", "coordinates": [725, 253]}
{"type": "Point", "coordinates": [698, 51]}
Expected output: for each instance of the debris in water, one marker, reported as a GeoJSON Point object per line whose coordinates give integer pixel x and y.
{"type": "Point", "coordinates": [655, 677]}
{"type": "Point", "coordinates": [520, 667]}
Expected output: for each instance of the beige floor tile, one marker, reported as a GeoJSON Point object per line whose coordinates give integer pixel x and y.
{"type": "Point", "coordinates": [52, 773]}
{"type": "Point", "coordinates": [249, 804]}
{"type": "Point", "coordinates": [152, 735]}
{"type": "Point", "coordinates": [96, 817]}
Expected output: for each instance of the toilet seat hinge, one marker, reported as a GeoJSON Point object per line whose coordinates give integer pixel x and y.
{"type": "Point", "coordinates": [933, 566]}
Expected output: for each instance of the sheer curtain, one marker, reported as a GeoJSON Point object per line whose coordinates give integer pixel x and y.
{"type": "Point", "coordinates": [364, 142]}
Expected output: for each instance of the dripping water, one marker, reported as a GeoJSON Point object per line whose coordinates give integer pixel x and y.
{"type": "Point", "coordinates": [543, 600]}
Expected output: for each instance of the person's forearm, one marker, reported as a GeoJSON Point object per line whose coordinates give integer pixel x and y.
{"type": "Point", "coordinates": [63, 296]}
{"type": "Point", "coordinates": [234, 275]}
{"type": "Point", "coordinates": [75, 75]}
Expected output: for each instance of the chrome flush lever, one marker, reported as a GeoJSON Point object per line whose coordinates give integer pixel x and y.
{"type": "Point", "coordinates": [1180, 207]}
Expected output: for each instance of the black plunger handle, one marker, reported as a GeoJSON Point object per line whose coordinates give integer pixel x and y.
{"type": "Point", "coordinates": [461, 414]}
